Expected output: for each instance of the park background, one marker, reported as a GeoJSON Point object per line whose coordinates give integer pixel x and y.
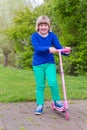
{"type": "Point", "coordinates": [17, 23]}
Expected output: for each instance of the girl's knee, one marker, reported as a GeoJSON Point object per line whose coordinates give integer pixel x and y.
{"type": "Point", "coordinates": [40, 87]}
{"type": "Point", "coordinates": [52, 83]}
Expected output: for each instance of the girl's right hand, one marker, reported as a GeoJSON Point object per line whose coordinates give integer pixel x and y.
{"type": "Point", "coordinates": [52, 49]}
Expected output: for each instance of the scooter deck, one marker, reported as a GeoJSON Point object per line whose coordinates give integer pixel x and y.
{"type": "Point", "coordinates": [62, 110]}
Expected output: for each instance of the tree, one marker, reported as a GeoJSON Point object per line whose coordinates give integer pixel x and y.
{"type": "Point", "coordinates": [6, 46]}
{"type": "Point", "coordinates": [8, 9]}
{"type": "Point", "coordinates": [72, 19]}
{"type": "Point", "coordinates": [21, 33]}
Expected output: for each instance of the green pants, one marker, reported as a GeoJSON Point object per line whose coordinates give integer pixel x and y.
{"type": "Point", "coordinates": [42, 73]}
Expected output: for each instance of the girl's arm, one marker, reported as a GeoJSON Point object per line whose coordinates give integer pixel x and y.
{"type": "Point", "coordinates": [36, 45]}
{"type": "Point", "coordinates": [57, 45]}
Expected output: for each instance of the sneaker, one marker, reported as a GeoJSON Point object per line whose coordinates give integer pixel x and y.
{"type": "Point", "coordinates": [39, 110]}
{"type": "Point", "coordinates": [58, 104]}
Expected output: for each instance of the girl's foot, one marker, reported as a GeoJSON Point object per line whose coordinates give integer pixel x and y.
{"type": "Point", "coordinates": [58, 104]}
{"type": "Point", "coordinates": [39, 110]}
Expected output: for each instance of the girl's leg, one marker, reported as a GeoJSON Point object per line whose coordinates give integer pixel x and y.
{"type": "Point", "coordinates": [40, 84]}
{"type": "Point", "coordinates": [52, 81]}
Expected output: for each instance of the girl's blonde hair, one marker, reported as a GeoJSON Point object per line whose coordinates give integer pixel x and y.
{"type": "Point", "coordinates": [42, 19]}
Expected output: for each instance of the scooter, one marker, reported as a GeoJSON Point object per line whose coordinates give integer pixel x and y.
{"type": "Point", "coordinates": [64, 109]}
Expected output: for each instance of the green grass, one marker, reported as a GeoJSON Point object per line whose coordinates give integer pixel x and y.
{"type": "Point", "coordinates": [19, 85]}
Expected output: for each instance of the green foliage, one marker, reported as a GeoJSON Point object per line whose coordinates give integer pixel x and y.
{"type": "Point", "coordinates": [72, 19]}
{"type": "Point", "coordinates": [22, 29]}
{"type": "Point", "coordinates": [24, 58]}
{"type": "Point", "coordinates": [20, 33]}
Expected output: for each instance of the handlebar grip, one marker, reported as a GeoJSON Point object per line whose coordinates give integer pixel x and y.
{"type": "Point", "coordinates": [63, 50]}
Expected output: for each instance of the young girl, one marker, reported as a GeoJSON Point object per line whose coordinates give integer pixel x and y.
{"type": "Point", "coordinates": [45, 43]}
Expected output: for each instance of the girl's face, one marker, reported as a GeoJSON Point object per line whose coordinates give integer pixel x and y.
{"type": "Point", "coordinates": [43, 29]}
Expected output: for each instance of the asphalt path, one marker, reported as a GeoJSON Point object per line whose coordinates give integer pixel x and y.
{"type": "Point", "coordinates": [20, 116]}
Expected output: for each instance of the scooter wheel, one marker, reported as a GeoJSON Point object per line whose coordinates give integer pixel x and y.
{"type": "Point", "coordinates": [67, 115]}
{"type": "Point", "coordinates": [53, 108]}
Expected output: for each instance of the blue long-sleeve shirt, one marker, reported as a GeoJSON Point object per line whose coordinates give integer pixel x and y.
{"type": "Point", "coordinates": [41, 47]}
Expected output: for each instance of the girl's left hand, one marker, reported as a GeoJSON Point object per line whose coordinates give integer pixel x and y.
{"type": "Point", "coordinates": [68, 50]}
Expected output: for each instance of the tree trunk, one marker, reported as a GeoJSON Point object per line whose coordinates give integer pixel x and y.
{"type": "Point", "coordinates": [5, 60]}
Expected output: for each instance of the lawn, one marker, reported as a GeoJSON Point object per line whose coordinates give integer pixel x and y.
{"type": "Point", "coordinates": [18, 85]}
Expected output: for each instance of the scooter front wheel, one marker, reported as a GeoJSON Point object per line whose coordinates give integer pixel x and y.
{"type": "Point", "coordinates": [67, 115]}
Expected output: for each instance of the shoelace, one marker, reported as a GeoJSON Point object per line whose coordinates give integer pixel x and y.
{"type": "Point", "coordinates": [39, 107]}
{"type": "Point", "coordinates": [58, 102]}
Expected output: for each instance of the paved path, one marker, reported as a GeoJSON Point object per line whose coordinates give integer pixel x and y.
{"type": "Point", "coordinates": [19, 116]}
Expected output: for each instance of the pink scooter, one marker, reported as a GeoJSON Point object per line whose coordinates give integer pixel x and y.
{"type": "Point", "coordinates": [64, 109]}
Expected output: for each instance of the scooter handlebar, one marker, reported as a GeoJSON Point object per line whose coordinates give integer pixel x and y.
{"type": "Point", "coordinates": [63, 50]}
